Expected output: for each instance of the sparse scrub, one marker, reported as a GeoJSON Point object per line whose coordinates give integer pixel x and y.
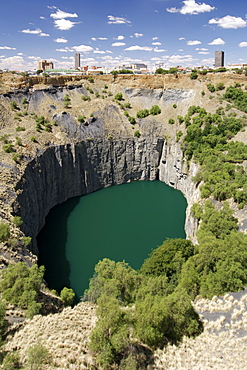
{"type": "Point", "coordinates": [142, 113]}
{"type": "Point", "coordinates": [4, 232]}
{"type": "Point", "coordinates": [118, 97]}
{"type": "Point", "coordinates": [137, 133]}
{"type": "Point", "coordinates": [20, 128]}
{"type": "Point", "coordinates": [211, 87]}
{"type": "Point", "coordinates": [155, 110]}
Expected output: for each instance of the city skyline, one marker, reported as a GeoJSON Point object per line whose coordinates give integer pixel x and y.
{"type": "Point", "coordinates": [110, 34]}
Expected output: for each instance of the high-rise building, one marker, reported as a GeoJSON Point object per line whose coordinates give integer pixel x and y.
{"type": "Point", "coordinates": [77, 60]}
{"type": "Point", "coordinates": [45, 65]}
{"type": "Point", "coordinates": [219, 59]}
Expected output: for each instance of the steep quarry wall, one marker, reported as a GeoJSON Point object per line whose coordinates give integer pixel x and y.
{"type": "Point", "coordinates": [66, 171]}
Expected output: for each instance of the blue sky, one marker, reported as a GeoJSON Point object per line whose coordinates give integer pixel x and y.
{"type": "Point", "coordinates": [113, 33]}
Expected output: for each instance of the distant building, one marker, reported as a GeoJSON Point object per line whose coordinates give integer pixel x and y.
{"type": "Point", "coordinates": [138, 66]}
{"type": "Point", "coordinates": [45, 65]}
{"type": "Point", "coordinates": [77, 60]}
{"type": "Point", "coordinates": [219, 59]}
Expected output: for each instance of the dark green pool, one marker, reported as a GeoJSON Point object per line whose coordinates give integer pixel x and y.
{"type": "Point", "coordinates": [124, 222]}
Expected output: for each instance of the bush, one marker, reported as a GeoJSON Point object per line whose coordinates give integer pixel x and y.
{"type": "Point", "coordinates": [155, 110]}
{"type": "Point", "coordinates": [12, 361]}
{"type": "Point", "coordinates": [81, 119]}
{"type": "Point", "coordinates": [8, 148]}
{"type": "Point", "coordinates": [67, 295]}
{"type": "Point", "coordinates": [137, 133]}
{"type": "Point", "coordinates": [118, 97]}
{"type": "Point", "coordinates": [211, 87]}
{"type": "Point", "coordinates": [33, 139]}
{"type": "Point", "coordinates": [171, 121]}
{"type": "Point", "coordinates": [220, 86]}
{"type": "Point", "coordinates": [38, 355]}
{"type": "Point", "coordinates": [17, 221]}
{"type": "Point", "coordinates": [20, 285]}
{"type": "Point", "coordinates": [142, 113]}
{"type": "Point", "coordinates": [4, 232]}
{"type": "Point", "coordinates": [14, 105]}
{"type": "Point", "coordinates": [132, 120]}
{"type": "Point", "coordinates": [66, 98]}
{"type": "Point", "coordinates": [193, 76]}
{"type": "Point", "coordinates": [90, 79]}
{"type": "Point", "coordinates": [19, 128]}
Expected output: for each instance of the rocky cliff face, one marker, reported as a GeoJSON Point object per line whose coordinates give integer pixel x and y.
{"type": "Point", "coordinates": [66, 171]}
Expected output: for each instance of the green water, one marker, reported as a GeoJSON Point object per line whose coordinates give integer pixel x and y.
{"type": "Point", "coordinates": [124, 222]}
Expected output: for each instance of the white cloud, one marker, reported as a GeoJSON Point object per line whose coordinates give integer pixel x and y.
{"type": "Point", "coordinates": [99, 38]}
{"type": "Point", "coordinates": [156, 43]}
{"type": "Point", "coordinates": [118, 44]}
{"type": "Point", "coordinates": [60, 14]}
{"type": "Point", "coordinates": [208, 61]}
{"type": "Point", "coordinates": [181, 38]}
{"type": "Point", "coordinates": [117, 20]}
{"type": "Point", "coordinates": [155, 38]}
{"type": "Point", "coordinates": [156, 50]}
{"type": "Point", "coordinates": [242, 44]}
{"type": "Point", "coordinates": [20, 54]}
{"type": "Point", "coordinates": [193, 42]}
{"type": "Point", "coordinates": [204, 52]}
{"type": "Point", "coordinates": [191, 7]}
{"type": "Point", "coordinates": [203, 49]}
{"type": "Point", "coordinates": [138, 34]}
{"type": "Point", "coordinates": [64, 24]}
{"type": "Point", "coordinates": [65, 50]}
{"type": "Point", "coordinates": [229, 22]}
{"type": "Point", "coordinates": [15, 63]}
{"type": "Point", "coordinates": [99, 52]}
{"type": "Point", "coordinates": [7, 48]}
{"type": "Point", "coordinates": [137, 47]}
{"type": "Point", "coordinates": [217, 41]}
{"type": "Point", "coordinates": [42, 18]}
{"type": "Point", "coordinates": [61, 40]}
{"type": "Point", "coordinates": [38, 32]}
{"type": "Point", "coordinates": [82, 48]}
{"type": "Point", "coordinates": [120, 37]}
{"type": "Point", "coordinates": [34, 58]}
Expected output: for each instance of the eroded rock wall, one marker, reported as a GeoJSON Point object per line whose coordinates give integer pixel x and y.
{"type": "Point", "coordinates": [66, 171]}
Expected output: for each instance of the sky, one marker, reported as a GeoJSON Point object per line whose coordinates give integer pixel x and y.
{"type": "Point", "coordinates": [113, 33]}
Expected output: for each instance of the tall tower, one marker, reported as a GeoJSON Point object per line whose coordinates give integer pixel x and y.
{"type": "Point", "coordinates": [219, 59]}
{"type": "Point", "coordinates": [77, 60]}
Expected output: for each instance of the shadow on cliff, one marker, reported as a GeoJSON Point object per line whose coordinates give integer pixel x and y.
{"type": "Point", "coordinates": [51, 242]}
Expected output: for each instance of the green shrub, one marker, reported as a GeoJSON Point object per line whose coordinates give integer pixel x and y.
{"type": "Point", "coordinates": [220, 86]}
{"type": "Point", "coordinates": [137, 133]}
{"type": "Point", "coordinates": [118, 97]}
{"type": "Point", "coordinates": [81, 119]}
{"type": "Point", "coordinates": [17, 221]}
{"type": "Point", "coordinates": [127, 105]}
{"type": "Point", "coordinates": [26, 240]}
{"type": "Point", "coordinates": [16, 157]}
{"type": "Point", "coordinates": [33, 139]}
{"type": "Point", "coordinates": [67, 295]}
{"type": "Point", "coordinates": [179, 135]}
{"type": "Point", "coordinates": [142, 113]}
{"type": "Point", "coordinates": [12, 361]}
{"type": "Point", "coordinates": [211, 87]}
{"type": "Point", "coordinates": [90, 79]}
{"type": "Point", "coordinates": [38, 355]}
{"type": "Point", "coordinates": [18, 141]}
{"type": "Point", "coordinates": [4, 232]}
{"type": "Point", "coordinates": [19, 128]}
{"type": "Point", "coordinates": [174, 106]}
{"type": "Point", "coordinates": [126, 114]}
{"type": "Point", "coordinates": [20, 285]}
{"type": "Point", "coordinates": [171, 121]}
{"type": "Point", "coordinates": [66, 98]}
{"type": "Point", "coordinates": [193, 76]}
{"type": "Point", "coordinates": [14, 105]}
{"type": "Point", "coordinates": [155, 110]}
{"type": "Point", "coordinates": [132, 120]}
{"type": "Point", "coordinates": [8, 148]}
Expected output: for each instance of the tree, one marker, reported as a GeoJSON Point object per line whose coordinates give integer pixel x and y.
{"type": "Point", "coordinates": [67, 295]}
{"type": "Point", "coordinates": [39, 71]}
{"type": "Point", "coordinates": [20, 285]}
